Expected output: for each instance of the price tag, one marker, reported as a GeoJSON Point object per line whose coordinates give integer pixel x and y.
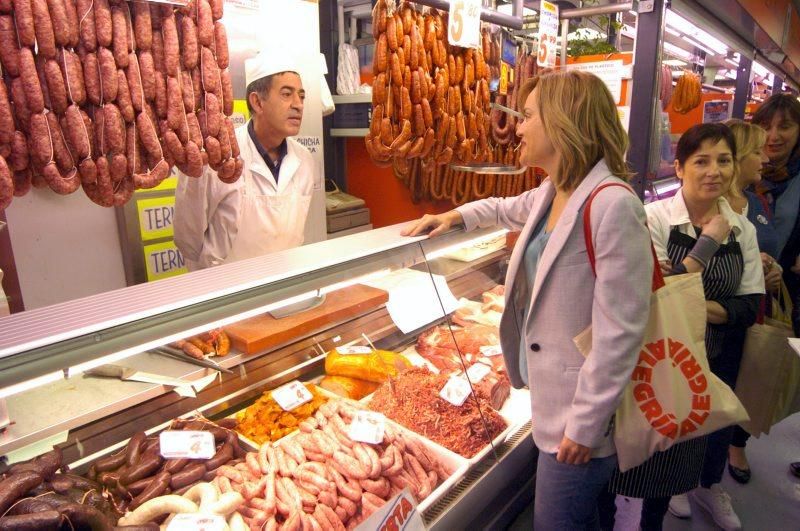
{"type": "Point", "coordinates": [548, 35]}
{"type": "Point", "coordinates": [455, 391]}
{"type": "Point", "coordinates": [186, 444]}
{"type": "Point", "coordinates": [478, 372]}
{"type": "Point", "coordinates": [504, 75]}
{"type": "Point", "coordinates": [291, 395]}
{"type": "Point", "coordinates": [354, 350]}
{"type": "Point", "coordinates": [367, 427]}
{"type": "Point", "coordinates": [491, 350]}
{"type": "Point", "coordinates": [197, 522]}
{"type": "Point", "coordinates": [464, 23]}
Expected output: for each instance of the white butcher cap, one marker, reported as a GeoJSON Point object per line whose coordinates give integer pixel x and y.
{"type": "Point", "coordinates": [268, 63]}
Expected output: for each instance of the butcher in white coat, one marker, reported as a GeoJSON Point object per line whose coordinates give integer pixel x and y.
{"type": "Point", "coordinates": [266, 209]}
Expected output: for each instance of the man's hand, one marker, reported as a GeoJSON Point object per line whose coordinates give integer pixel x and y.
{"type": "Point", "coordinates": [437, 224]}
{"type": "Point", "coordinates": [572, 453]}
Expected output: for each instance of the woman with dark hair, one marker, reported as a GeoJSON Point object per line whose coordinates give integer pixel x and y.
{"type": "Point", "coordinates": [697, 231]}
{"type": "Point", "coordinates": [779, 116]}
{"type": "Point", "coordinates": [780, 183]}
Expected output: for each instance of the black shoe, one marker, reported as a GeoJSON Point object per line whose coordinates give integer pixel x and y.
{"type": "Point", "coordinates": [741, 475]}
{"type": "Point", "coordinates": [795, 468]}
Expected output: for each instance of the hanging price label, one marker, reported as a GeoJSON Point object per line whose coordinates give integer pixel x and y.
{"type": "Point", "coordinates": [504, 75]}
{"type": "Point", "coordinates": [354, 350]}
{"type": "Point", "coordinates": [197, 522]}
{"type": "Point", "coordinates": [186, 444]}
{"type": "Point", "coordinates": [548, 35]}
{"type": "Point", "coordinates": [367, 427]}
{"type": "Point", "coordinates": [491, 350]}
{"type": "Point", "coordinates": [464, 23]}
{"type": "Point", "coordinates": [456, 390]}
{"type": "Point", "coordinates": [478, 372]}
{"type": "Point", "coordinates": [291, 395]}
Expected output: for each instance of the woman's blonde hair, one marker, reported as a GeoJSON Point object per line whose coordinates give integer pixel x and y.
{"type": "Point", "coordinates": [749, 139]}
{"type": "Point", "coordinates": [580, 119]}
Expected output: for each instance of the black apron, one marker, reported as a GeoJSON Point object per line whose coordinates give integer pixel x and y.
{"type": "Point", "coordinates": [677, 469]}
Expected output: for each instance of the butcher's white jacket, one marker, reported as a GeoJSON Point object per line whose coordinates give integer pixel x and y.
{"type": "Point", "coordinates": [208, 212]}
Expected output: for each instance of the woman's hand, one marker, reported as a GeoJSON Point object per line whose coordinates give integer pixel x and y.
{"type": "Point", "coordinates": [437, 224]}
{"type": "Point", "coordinates": [772, 273]}
{"type": "Point", "coordinates": [572, 453]}
{"type": "Point", "coordinates": [716, 313]}
{"type": "Point", "coordinates": [717, 228]}
{"type": "Point", "coordinates": [796, 267]}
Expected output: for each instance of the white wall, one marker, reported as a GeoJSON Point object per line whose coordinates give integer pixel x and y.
{"type": "Point", "coordinates": [293, 26]}
{"type": "Point", "coordinates": [65, 247]}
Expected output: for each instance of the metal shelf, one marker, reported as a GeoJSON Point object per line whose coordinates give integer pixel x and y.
{"type": "Point", "coordinates": [350, 132]}
{"type": "Point", "coordinates": [352, 98]}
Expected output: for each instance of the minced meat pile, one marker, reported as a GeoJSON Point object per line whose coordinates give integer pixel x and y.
{"type": "Point", "coordinates": [412, 399]}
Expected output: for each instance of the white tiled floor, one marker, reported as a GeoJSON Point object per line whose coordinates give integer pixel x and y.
{"type": "Point", "coordinates": [770, 502]}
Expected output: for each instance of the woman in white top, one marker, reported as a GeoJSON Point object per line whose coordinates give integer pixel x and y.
{"type": "Point", "coordinates": [697, 231]}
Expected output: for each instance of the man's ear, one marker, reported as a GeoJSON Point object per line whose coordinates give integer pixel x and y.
{"type": "Point", "coordinates": [255, 102]}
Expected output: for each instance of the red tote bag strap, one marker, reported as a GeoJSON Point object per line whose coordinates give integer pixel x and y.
{"type": "Point", "coordinates": [658, 277]}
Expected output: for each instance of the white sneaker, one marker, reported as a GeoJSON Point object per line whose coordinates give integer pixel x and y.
{"type": "Point", "coordinates": [718, 504]}
{"type": "Point", "coordinates": [679, 506]}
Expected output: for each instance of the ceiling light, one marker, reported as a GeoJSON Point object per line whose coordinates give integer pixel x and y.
{"type": "Point", "coordinates": [674, 62]}
{"type": "Point", "coordinates": [677, 52]}
{"type": "Point", "coordinates": [688, 29]}
{"type": "Point", "coordinates": [698, 45]}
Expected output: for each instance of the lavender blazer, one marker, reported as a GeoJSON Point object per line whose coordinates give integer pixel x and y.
{"type": "Point", "coordinates": [572, 395]}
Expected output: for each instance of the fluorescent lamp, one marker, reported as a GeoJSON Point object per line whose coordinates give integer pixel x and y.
{"type": "Point", "coordinates": [674, 62]}
{"type": "Point", "coordinates": [687, 28]}
{"type": "Point", "coordinates": [672, 32]}
{"type": "Point", "coordinates": [732, 63]}
{"type": "Point", "coordinates": [447, 250]}
{"type": "Point", "coordinates": [359, 280]}
{"type": "Point", "coordinates": [760, 70]}
{"type": "Point", "coordinates": [677, 51]}
{"type": "Point", "coordinates": [698, 45]}
{"type": "Point", "coordinates": [31, 384]}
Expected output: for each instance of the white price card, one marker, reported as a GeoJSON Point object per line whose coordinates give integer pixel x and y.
{"type": "Point", "coordinates": [548, 35]}
{"type": "Point", "coordinates": [367, 427]}
{"type": "Point", "coordinates": [456, 390]}
{"type": "Point", "coordinates": [478, 372]}
{"type": "Point", "coordinates": [354, 350]}
{"type": "Point", "coordinates": [291, 395]}
{"type": "Point", "coordinates": [464, 23]}
{"type": "Point", "coordinates": [491, 350]}
{"type": "Point", "coordinates": [197, 522]}
{"type": "Point", "coordinates": [187, 444]}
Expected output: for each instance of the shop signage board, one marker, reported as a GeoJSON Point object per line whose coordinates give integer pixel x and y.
{"type": "Point", "coordinates": [548, 35]}
{"type": "Point", "coordinates": [163, 260]}
{"type": "Point", "coordinates": [716, 111]}
{"type": "Point", "coordinates": [464, 23]}
{"type": "Point", "coordinates": [398, 514]}
{"type": "Point", "coordinates": [156, 216]}
{"type": "Point", "coordinates": [611, 72]}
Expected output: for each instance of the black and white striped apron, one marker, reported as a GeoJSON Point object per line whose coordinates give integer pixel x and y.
{"type": "Point", "coordinates": [677, 470]}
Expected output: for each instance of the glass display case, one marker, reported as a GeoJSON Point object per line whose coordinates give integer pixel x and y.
{"type": "Point", "coordinates": [424, 311]}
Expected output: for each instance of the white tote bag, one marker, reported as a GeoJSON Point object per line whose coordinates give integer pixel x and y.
{"type": "Point", "coordinates": [673, 396]}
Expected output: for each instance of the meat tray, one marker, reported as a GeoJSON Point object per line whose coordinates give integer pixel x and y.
{"type": "Point", "coordinates": [455, 464]}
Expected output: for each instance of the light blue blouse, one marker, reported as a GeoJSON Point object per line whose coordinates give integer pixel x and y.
{"type": "Point", "coordinates": [530, 261]}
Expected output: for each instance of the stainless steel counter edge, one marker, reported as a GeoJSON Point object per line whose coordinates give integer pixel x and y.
{"type": "Point", "coordinates": [44, 326]}
{"type": "Point", "coordinates": [44, 342]}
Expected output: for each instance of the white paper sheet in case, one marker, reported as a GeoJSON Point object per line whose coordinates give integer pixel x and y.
{"type": "Point", "coordinates": [414, 301]}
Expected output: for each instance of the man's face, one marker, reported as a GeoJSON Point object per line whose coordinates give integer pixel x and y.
{"type": "Point", "coordinates": [281, 110]}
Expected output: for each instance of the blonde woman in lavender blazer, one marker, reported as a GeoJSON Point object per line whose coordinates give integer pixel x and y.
{"type": "Point", "coordinates": [572, 131]}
